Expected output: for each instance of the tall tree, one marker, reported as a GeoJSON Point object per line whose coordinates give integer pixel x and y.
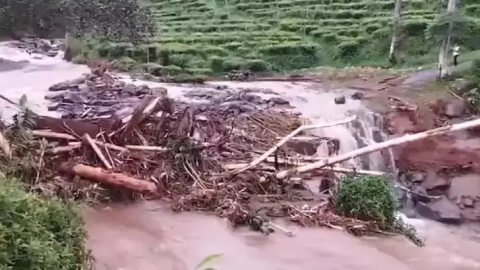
{"type": "Point", "coordinates": [443, 69]}
{"type": "Point", "coordinates": [121, 20]}
{"type": "Point", "coordinates": [397, 20]}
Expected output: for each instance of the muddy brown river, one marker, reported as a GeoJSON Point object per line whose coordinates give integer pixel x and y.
{"type": "Point", "coordinates": [148, 236]}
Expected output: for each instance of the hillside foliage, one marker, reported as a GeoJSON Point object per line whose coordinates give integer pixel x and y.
{"type": "Point", "coordinates": [119, 20]}
{"type": "Point", "coordinates": [215, 36]}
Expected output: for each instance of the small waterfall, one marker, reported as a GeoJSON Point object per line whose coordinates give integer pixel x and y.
{"type": "Point", "coordinates": [366, 130]}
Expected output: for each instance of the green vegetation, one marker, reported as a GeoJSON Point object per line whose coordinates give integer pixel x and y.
{"type": "Point", "coordinates": [119, 20]}
{"type": "Point", "coordinates": [371, 198]}
{"type": "Point", "coordinates": [216, 36]}
{"type": "Point", "coordinates": [39, 233]}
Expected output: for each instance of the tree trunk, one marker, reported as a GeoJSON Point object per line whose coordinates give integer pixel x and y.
{"type": "Point", "coordinates": [379, 146]}
{"type": "Point", "coordinates": [397, 17]}
{"type": "Point", "coordinates": [115, 179]}
{"type": "Point", "coordinates": [443, 69]}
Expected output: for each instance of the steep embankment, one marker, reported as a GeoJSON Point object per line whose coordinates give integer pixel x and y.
{"type": "Point", "coordinates": [213, 36]}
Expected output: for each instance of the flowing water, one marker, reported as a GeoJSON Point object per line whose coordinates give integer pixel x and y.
{"type": "Point", "coordinates": [148, 235]}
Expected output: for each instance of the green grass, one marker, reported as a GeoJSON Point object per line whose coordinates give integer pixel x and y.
{"type": "Point", "coordinates": [283, 35]}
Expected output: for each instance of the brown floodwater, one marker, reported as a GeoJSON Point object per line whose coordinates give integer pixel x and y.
{"type": "Point", "coordinates": [149, 236]}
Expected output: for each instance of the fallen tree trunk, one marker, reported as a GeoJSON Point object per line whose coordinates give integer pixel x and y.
{"type": "Point", "coordinates": [379, 146]}
{"type": "Point", "coordinates": [115, 179]}
{"type": "Point", "coordinates": [297, 163]}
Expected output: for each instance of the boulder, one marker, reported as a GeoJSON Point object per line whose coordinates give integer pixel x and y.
{"type": "Point", "coordinates": [415, 177]}
{"type": "Point", "coordinates": [340, 100]}
{"type": "Point", "coordinates": [63, 86]}
{"type": "Point", "coordinates": [435, 182]}
{"type": "Point", "coordinates": [462, 86]}
{"type": "Point", "coordinates": [131, 89]}
{"type": "Point", "coordinates": [358, 95]}
{"type": "Point", "coordinates": [73, 97]}
{"type": "Point", "coordinates": [304, 145]}
{"type": "Point", "coordinates": [455, 108]}
{"type": "Point", "coordinates": [52, 53]}
{"type": "Point", "coordinates": [468, 202]}
{"type": "Point", "coordinates": [442, 210]}
{"type": "Point", "coordinates": [159, 91]}
{"type": "Point", "coordinates": [53, 107]}
{"type": "Point", "coordinates": [278, 101]}
{"type": "Point", "coordinates": [419, 195]}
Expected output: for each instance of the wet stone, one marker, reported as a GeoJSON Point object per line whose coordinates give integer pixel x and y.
{"type": "Point", "coordinates": [358, 95]}
{"type": "Point", "coordinates": [419, 194]}
{"type": "Point", "coordinates": [442, 210]}
{"type": "Point", "coordinates": [52, 53]}
{"type": "Point", "coordinates": [455, 108]}
{"type": "Point", "coordinates": [279, 101]}
{"type": "Point", "coordinates": [304, 145]}
{"type": "Point", "coordinates": [63, 86]}
{"type": "Point", "coordinates": [340, 100]}
{"type": "Point", "coordinates": [53, 107]}
{"type": "Point", "coordinates": [435, 182]}
{"type": "Point", "coordinates": [415, 177]}
{"type": "Point", "coordinates": [73, 97]}
{"type": "Point", "coordinates": [468, 202]}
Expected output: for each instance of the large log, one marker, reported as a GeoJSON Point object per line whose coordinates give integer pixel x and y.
{"type": "Point", "coordinates": [79, 127]}
{"type": "Point", "coordinates": [379, 146]}
{"type": "Point", "coordinates": [115, 179]}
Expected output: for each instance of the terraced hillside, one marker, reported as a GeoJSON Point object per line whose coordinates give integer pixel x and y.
{"type": "Point", "coordinates": [214, 36]}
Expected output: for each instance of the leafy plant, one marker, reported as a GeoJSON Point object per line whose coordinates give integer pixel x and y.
{"type": "Point", "coordinates": [39, 233]}
{"type": "Point", "coordinates": [371, 198]}
{"type": "Point", "coordinates": [368, 198]}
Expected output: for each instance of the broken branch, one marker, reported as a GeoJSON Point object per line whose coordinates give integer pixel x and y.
{"type": "Point", "coordinates": [379, 146]}
{"type": "Point", "coordinates": [286, 138]}
{"type": "Point", "coordinates": [97, 150]}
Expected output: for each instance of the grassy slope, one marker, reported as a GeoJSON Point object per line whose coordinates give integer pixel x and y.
{"type": "Point", "coordinates": [214, 36]}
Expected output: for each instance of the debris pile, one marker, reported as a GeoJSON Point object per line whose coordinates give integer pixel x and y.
{"type": "Point", "coordinates": [210, 156]}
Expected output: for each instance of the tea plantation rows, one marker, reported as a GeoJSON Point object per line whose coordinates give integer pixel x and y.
{"type": "Point", "coordinates": [215, 36]}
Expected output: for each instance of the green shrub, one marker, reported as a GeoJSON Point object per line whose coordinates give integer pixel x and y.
{"type": "Point", "coordinates": [348, 49]}
{"type": "Point", "coordinates": [125, 63]}
{"type": "Point", "coordinates": [152, 68]}
{"type": "Point", "coordinates": [368, 198]}
{"type": "Point", "coordinates": [232, 64]}
{"type": "Point", "coordinates": [39, 233]}
{"type": "Point", "coordinates": [257, 65]}
{"type": "Point", "coordinates": [170, 70]}
{"type": "Point", "coordinates": [216, 64]}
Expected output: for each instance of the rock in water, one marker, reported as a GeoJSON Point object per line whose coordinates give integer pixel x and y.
{"type": "Point", "coordinates": [442, 210]}
{"type": "Point", "coordinates": [455, 108]}
{"type": "Point", "coordinates": [73, 98]}
{"type": "Point", "coordinates": [358, 95]}
{"type": "Point", "coordinates": [340, 100]}
{"type": "Point", "coordinates": [304, 145]}
{"type": "Point", "coordinates": [52, 53]}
